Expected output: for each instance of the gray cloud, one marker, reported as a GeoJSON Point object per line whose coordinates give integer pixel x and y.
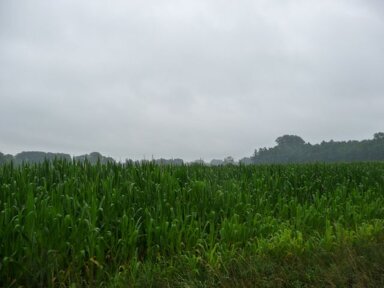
{"type": "Point", "coordinates": [187, 79]}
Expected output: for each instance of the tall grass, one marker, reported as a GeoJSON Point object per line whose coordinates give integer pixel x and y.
{"type": "Point", "coordinates": [64, 224]}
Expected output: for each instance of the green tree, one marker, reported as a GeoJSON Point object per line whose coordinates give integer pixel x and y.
{"type": "Point", "coordinates": [290, 140]}
{"type": "Point", "coordinates": [378, 136]}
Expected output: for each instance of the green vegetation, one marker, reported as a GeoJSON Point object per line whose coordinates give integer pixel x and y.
{"type": "Point", "coordinates": [65, 224]}
{"type": "Point", "coordinates": [34, 157]}
{"type": "Point", "coordinates": [293, 149]}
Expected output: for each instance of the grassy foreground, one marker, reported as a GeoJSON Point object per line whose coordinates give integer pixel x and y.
{"type": "Point", "coordinates": [66, 224]}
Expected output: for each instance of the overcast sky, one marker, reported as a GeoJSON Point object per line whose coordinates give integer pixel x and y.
{"type": "Point", "coordinates": [189, 79]}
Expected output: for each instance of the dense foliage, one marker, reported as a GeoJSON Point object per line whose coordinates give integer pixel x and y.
{"type": "Point", "coordinates": [39, 157]}
{"type": "Point", "coordinates": [74, 224]}
{"type": "Point", "coordinates": [293, 149]}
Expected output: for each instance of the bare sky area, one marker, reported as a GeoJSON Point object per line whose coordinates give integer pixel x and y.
{"type": "Point", "coordinates": [188, 79]}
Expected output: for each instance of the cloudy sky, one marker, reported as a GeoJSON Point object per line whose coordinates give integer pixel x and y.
{"type": "Point", "coordinates": [190, 79]}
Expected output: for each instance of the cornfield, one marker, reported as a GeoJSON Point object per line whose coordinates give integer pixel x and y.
{"type": "Point", "coordinates": [68, 224]}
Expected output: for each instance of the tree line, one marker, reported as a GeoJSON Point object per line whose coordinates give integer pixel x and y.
{"type": "Point", "coordinates": [33, 157]}
{"type": "Point", "coordinates": [289, 149]}
{"type": "Point", "coordinates": [293, 149]}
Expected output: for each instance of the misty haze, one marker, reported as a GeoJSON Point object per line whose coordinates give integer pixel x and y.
{"type": "Point", "coordinates": [203, 79]}
{"type": "Point", "coordinates": [191, 143]}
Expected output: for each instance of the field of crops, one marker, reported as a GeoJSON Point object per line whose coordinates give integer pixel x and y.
{"type": "Point", "coordinates": [68, 224]}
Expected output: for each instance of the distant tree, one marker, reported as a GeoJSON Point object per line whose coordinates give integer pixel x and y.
{"type": "Point", "coordinates": [246, 160]}
{"type": "Point", "coordinates": [216, 162]}
{"type": "Point", "coordinates": [198, 162]}
{"type": "Point", "coordinates": [293, 149]}
{"type": "Point", "coordinates": [290, 140]}
{"type": "Point", "coordinates": [38, 157]}
{"type": "Point", "coordinates": [229, 160]}
{"type": "Point", "coordinates": [174, 162]}
{"type": "Point", "coordinates": [178, 162]}
{"type": "Point", "coordinates": [378, 136]}
{"type": "Point", "coordinates": [94, 158]}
